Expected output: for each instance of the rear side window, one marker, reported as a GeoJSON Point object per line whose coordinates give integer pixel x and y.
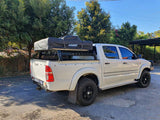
{"type": "Point", "coordinates": [126, 54]}
{"type": "Point", "coordinates": [110, 52]}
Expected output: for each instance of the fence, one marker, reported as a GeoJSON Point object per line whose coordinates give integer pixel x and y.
{"type": "Point", "coordinates": [13, 64]}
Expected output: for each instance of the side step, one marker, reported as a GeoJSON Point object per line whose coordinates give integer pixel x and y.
{"type": "Point", "coordinates": [136, 80]}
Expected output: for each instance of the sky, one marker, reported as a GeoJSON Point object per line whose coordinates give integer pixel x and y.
{"type": "Point", "coordinates": [143, 13]}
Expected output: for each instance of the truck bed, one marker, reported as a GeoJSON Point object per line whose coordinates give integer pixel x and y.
{"type": "Point", "coordinates": [63, 71]}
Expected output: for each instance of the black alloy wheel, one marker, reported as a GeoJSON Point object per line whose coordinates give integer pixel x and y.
{"type": "Point", "coordinates": [145, 79]}
{"type": "Point", "coordinates": [86, 92]}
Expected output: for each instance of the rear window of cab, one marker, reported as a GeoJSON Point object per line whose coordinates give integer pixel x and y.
{"type": "Point", "coordinates": [110, 52]}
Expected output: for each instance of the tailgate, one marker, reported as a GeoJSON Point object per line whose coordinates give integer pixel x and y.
{"type": "Point", "coordinates": [37, 67]}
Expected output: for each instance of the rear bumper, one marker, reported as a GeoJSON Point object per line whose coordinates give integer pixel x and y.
{"type": "Point", "coordinates": [50, 86]}
{"type": "Point", "coordinates": [40, 84]}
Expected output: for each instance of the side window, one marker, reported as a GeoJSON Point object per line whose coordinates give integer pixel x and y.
{"type": "Point", "coordinates": [110, 52]}
{"type": "Point", "coordinates": [126, 54]}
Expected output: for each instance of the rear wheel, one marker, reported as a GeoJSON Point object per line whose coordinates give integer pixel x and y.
{"type": "Point", "coordinates": [86, 92]}
{"type": "Point", "coordinates": [145, 79]}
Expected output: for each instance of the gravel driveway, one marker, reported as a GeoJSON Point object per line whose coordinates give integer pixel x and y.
{"type": "Point", "coordinates": [19, 100]}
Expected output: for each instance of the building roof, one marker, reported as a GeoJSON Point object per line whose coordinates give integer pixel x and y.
{"type": "Point", "coordinates": [151, 42]}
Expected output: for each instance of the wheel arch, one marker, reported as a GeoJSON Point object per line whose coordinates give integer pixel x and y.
{"type": "Point", "coordinates": [90, 76]}
{"type": "Point", "coordinates": [143, 67]}
{"type": "Point", "coordinates": [147, 69]}
{"type": "Point", "coordinates": [89, 73]}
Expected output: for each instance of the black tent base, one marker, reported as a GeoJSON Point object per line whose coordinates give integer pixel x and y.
{"type": "Point", "coordinates": [69, 43]}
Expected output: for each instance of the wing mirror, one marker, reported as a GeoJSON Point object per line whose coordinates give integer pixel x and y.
{"type": "Point", "coordinates": [139, 56]}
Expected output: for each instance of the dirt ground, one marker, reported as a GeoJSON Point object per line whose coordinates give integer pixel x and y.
{"type": "Point", "coordinates": [19, 100]}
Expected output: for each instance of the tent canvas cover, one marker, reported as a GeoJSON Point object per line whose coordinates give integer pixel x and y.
{"type": "Point", "coordinates": [64, 43]}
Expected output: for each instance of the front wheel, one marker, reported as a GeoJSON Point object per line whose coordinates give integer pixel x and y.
{"type": "Point", "coordinates": [86, 92]}
{"type": "Point", "coordinates": [145, 79]}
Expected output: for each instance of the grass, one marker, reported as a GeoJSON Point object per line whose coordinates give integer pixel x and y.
{"type": "Point", "coordinates": [152, 48]}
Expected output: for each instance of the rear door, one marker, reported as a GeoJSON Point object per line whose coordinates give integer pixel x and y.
{"type": "Point", "coordinates": [111, 66]}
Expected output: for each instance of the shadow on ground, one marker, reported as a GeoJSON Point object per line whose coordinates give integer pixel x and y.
{"type": "Point", "coordinates": [20, 90]}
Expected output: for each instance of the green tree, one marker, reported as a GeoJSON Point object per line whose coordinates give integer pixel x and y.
{"type": "Point", "coordinates": [125, 34]}
{"type": "Point", "coordinates": [3, 31]}
{"type": "Point", "coordinates": [157, 33]}
{"type": "Point", "coordinates": [26, 21]}
{"type": "Point", "coordinates": [48, 18]}
{"type": "Point", "coordinates": [142, 35]}
{"type": "Point", "coordinates": [93, 23]}
{"type": "Point", "coordinates": [13, 21]}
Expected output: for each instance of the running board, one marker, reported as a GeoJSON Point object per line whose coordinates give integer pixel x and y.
{"type": "Point", "coordinates": [136, 79]}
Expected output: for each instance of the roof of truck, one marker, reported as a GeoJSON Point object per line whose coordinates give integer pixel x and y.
{"type": "Point", "coordinates": [100, 44]}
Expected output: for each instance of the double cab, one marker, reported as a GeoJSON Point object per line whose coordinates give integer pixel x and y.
{"type": "Point", "coordinates": [84, 73]}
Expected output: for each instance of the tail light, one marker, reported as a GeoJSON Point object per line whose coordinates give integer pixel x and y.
{"type": "Point", "coordinates": [49, 74]}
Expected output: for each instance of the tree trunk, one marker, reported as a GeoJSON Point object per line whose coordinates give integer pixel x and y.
{"type": "Point", "coordinates": [29, 52]}
{"type": "Point", "coordinates": [20, 45]}
{"type": "Point", "coordinates": [30, 45]}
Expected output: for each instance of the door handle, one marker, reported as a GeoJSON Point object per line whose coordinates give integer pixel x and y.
{"type": "Point", "coordinates": [107, 63]}
{"type": "Point", "coordinates": [124, 62]}
{"type": "Point", "coordinates": [36, 63]}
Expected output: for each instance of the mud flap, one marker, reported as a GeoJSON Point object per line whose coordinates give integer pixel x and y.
{"type": "Point", "coordinates": [72, 97]}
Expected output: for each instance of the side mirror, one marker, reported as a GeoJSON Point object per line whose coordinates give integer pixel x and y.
{"type": "Point", "coordinates": [139, 56]}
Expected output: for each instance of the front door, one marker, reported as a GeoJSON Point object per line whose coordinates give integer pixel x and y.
{"type": "Point", "coordinates": [130, 64]}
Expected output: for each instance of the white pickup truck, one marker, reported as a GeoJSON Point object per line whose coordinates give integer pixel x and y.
{"type": "Point", "coordinates": [84, 73]}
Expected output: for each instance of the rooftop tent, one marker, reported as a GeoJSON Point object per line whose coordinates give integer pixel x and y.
{"type": "Point", "coordinates": [64, 43]}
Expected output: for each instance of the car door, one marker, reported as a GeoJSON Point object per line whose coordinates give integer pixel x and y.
{"type": "Point", "coordinates": [111, 66]}
{"type": "Point", "coordinates": [130, 64]}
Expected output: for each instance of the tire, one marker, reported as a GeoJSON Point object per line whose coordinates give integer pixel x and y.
{"type": "Point", "coordinates": [145, 79]}
{"type": "Point", "coordinates": [86, 92]}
